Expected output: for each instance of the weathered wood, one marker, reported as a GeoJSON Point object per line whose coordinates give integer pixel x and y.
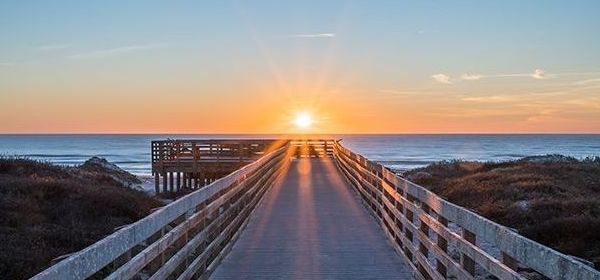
{"type": "Point", "coordinates": [193, 157]}
{"type": "Point", "coordinates": [420, 204]}
{"type": "Point", "coordinates": [94, 258]}
{"type": "Point", "coordinates": [310, 226]}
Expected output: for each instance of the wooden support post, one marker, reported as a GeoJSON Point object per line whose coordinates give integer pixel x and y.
{"type": "Point", "coordinates": [178, 181]}
{"type": "Point", "coordinates": [156, 183]}
{"type": "Point", "coordinates": [468, 264]}
{"type": "Point", "coordinates": [164, 181]}
{"type": "Point", "coordinates": [171, 183]}
{"type": "Point", "coordinates": [185, 185]}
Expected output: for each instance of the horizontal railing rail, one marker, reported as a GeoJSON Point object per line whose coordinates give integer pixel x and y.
{"type": "Point", "coordinates": [441, 240]}
{"type": "Point", "coordinates": [210, 150]}
{"type": "Point", "coordinates": [312, 147]}
{"type": "Point", "coordinates": [183, 240]}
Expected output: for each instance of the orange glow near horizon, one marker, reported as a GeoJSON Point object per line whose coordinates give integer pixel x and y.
{"type": "Point", "coordinates": [322, 113]}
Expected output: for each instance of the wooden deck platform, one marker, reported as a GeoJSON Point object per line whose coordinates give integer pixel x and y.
{"type": "Point", "coordinates": [311, 225]}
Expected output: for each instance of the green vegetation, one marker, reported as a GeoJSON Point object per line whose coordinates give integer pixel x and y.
{"type": "Point", "coordinates": [47, 211]}
{"type": "Point", "coordinates": [554, 200]}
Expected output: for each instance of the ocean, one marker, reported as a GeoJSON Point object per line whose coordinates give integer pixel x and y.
{"type": "Point", "coordinates": [405, 151]}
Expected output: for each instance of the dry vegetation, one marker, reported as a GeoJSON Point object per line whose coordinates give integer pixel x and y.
{"type": "Point", "coordinates": [554, 200]}
{"type": "Point", "coordinates": [47, 211]}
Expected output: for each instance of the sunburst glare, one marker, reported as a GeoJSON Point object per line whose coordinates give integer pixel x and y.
{"type": "Point", "coordinates": [303, 120]}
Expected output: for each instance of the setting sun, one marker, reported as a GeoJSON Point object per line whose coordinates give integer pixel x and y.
{"type": "Point", "coordinates": [303, 120]}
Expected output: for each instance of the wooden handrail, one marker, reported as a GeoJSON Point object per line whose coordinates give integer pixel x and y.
{"type": "Point", "coordinates": [162, 242]}
{"type": "Point", "coordinates": [417, 223]}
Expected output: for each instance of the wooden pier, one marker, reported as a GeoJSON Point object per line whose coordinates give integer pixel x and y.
{"type": "Point", "coordinates": [309, 224]}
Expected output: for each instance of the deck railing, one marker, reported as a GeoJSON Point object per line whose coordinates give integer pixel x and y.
{"type": "Point", "coordinates": [183, 240]}
{"type": "Point", "coordinates": [312, 147]}
{"type": "Point", "coordinates": [441, 240]}
{"type": "Point", "coordinates": [167, 153]}
{"type": "Point", "coordinates": [191, 164]}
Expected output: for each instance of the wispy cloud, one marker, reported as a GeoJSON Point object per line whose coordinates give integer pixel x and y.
{"type": "Point", "coordinates": [441, 78]}
{"type": "Point", "coordinates": [493, 98]}
{"type": "Point", "coordinates": [587, 82]}
{"type": "Point", "coordinates": [471, 77]}
{"type": "Point", "coordinates": [98, 54]}
{"type": "Point", "coordinates": [538, 74]}
{"type": "Point", "coordinates": [54, 47]}
{"type": "Point", "coordinates": [396, 91]}
{"type": "Point", "coordinates": [313, 35]}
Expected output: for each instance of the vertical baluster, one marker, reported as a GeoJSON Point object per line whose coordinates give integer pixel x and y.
{"type": "Point", "coordinates": [442, 243]}
{"type": "Point", "coordinates": [468, 263]}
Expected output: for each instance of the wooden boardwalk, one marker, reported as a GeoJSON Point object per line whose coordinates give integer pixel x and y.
{"type": "Point", "coordinates": [311, 225]}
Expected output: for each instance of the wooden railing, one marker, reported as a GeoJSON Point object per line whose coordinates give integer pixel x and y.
{"type": "Point", "coordinates": [312, 147]}
{"type": "Point", "coordinates": [191, 164]}
{"type": "Point", "coordinates": [173, 152]}
{"type": "Point", "coordinates": [183, 240]}
{"type": "Point", "coordinates": [441, 240]}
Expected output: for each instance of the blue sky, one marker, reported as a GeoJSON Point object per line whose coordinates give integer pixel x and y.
{"type": "Point", "coordinates": [360, 50]}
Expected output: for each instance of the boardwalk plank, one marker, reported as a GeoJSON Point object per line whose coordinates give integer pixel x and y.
{"type": "Point", "coordinates": [311, 226]}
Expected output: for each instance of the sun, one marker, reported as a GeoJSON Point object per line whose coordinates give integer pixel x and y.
{"type": "Point", "coordinates": [303, 120]}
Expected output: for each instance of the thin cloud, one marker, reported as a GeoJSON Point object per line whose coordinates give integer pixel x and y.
{"type": "Point", "coordinates": [54, 47]}
{"type": "Point", "coordinates": [471, 77]}
{"type": "Point", "coordinates": [587, 82]}
{"type": "Point", "coordinates": [442, 78]}
{"type": "Point", "coordinates": [315, 35]}
{"type": "Point", "coordinates": [98, 54]}
{"type": "Point", "coordinates": [538, 74]}
{"type": "Point", "coordinates": [493, 98]}
{"type": "Point", "coordinates": [398, 92]}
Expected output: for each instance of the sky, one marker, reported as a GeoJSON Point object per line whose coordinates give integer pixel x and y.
{"type": "Point", "coordinates": [254, 66]}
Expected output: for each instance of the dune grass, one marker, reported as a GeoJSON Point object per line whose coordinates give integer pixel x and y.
{"type": "Point", "coordinates": [47, 211]}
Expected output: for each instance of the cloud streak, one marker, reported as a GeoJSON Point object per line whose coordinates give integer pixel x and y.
{"type": "Point", "coordinates": [105, 53]}
{"type": "Point", "coordinates": [314, 35]}
{"type": "Point", "coordinates": [54, 47]}
{"type": "Point", "coordinates": [538, 74]}
{"type": "Point", "coordinates": [441, 78]}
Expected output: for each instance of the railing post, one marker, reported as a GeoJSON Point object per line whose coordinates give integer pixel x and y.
{"type": "Point", "coordinates": [442, 243]}
{"type": "Point", "coordinates": [171, 184]}
{"type": "Point", "coordinates": [509, 261]}
{"type": "Point", "coordinates": [468, 263]}
{"type": "Point", "coordinates": [156, 183]}
{"type": "Point", "coordinates": [164, 181]}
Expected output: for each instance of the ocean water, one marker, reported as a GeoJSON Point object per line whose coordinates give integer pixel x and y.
{"type": "Point", "coordinates": [132, 152]}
